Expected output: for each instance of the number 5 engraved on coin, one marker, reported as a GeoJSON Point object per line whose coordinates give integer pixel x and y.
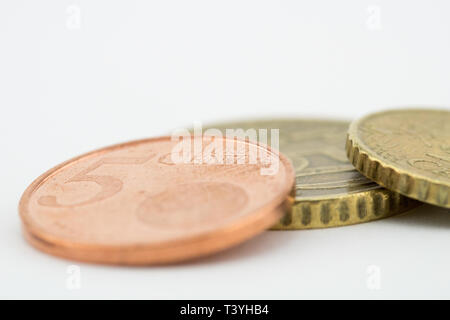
{"type": "Point", "coordinates": [110, 185]}
{"type": "Point", "coordinates": [153, 213]}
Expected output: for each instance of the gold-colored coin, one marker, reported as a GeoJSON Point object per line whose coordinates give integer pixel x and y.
{"type": "Point", "coordinates": [407, 151]}
{"type": "Point", "coordinates": [329, 191]}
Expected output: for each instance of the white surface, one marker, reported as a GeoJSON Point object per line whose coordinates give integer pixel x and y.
{"type": "Point", "coordinates": [137, 69]}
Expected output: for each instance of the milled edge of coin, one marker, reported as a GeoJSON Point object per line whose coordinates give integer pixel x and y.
{"type": "Point", "coordinates": [319, 212]}
{"type": "Point", "coordinates": [399, 180]}
{"type": "Point", "coordinates": [352, 209]}
{"type": "Point", "coordinates": [154, 254]}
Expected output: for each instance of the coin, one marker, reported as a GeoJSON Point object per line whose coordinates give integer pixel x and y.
{"type": "Point", "coordinates": [406, 150]}
{"type": "Point", "coordinates": [329, 192]}
{"type": "Point", "coordinates": [132, 204]}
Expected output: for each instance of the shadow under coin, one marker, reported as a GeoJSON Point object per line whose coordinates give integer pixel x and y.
{"type": "Point", "coordinates": [257, 246]}
{"type": "Point", "coordinates": [424, 216]}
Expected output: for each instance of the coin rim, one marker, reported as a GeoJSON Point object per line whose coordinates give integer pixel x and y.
{"type": "Point", "coordinates": [376, 168]}
{"type": "Point", "coordinates": [235, 232]}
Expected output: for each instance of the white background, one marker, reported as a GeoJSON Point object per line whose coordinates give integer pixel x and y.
{"type": "Point", "coordinates": [122, 70]}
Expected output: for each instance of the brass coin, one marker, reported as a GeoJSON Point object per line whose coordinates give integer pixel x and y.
{"type": "Point", "coordinates": [329, 191]}
{"type": "Point", "coordinates": [406, 150]}
{"type": "Point", "coordinates": [132, 204]}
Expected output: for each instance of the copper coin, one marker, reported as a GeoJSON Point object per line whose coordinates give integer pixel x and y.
{"type": "Point", "coordinates": [132, 204]}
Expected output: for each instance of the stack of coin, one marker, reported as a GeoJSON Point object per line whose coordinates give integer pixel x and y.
{"type": "Point", "coordinates": [166, 200]}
